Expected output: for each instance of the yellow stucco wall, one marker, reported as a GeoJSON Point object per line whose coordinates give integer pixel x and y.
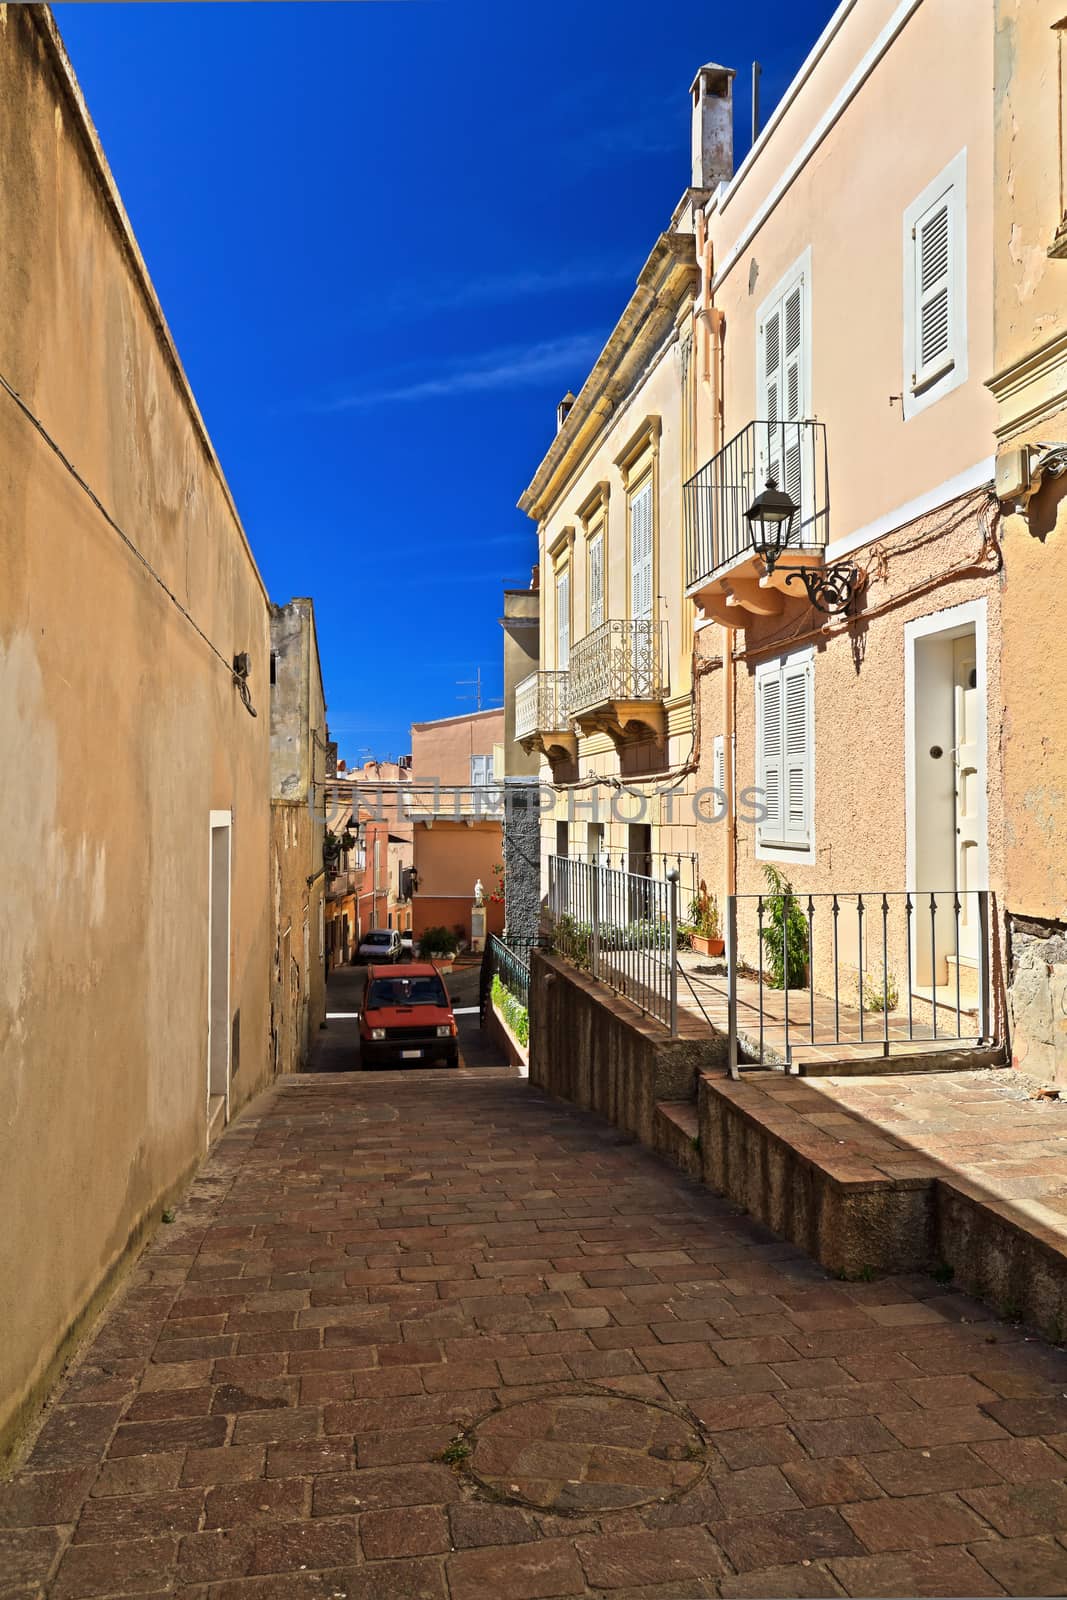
{"type": "Point", "coordinates": [121, 733]}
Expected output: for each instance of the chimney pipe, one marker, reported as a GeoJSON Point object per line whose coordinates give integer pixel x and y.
{"type": "Point", "coordinates": [712, 94]}
{"type": "Point", "coordinates": [757, 73]}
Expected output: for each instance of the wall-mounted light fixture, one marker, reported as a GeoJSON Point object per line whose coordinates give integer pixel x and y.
{"type": "Point", "coordinates": [770, 518]}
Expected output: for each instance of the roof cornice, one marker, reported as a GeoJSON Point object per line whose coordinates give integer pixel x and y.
{"type": "Point", "coordinates": [668, 274]}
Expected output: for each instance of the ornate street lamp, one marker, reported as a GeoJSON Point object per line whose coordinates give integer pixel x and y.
{"type": "Point", "coordinates": [770, 518]}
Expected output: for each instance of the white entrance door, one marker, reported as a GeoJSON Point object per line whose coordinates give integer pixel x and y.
{"type": "Point", "coordinates": [969, 788]}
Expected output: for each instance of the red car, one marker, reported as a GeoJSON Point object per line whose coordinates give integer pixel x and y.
{"type": "Point", "coordinates": [407, 1016]}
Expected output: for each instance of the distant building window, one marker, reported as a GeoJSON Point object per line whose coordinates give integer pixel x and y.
{"type": "Point", "coordinates": [274, 666]}
{"type": "Point", "coordinates": [481, 771]}
{"type": "Point", "coordinates": [562, 838]}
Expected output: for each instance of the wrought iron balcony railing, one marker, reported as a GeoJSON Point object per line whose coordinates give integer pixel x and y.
{"type": "Point", "coordinates": [619, 661]}
{"type": "Point", "coordinates": [541, 704]}
{"type": "Point", "coordinates": [717, 497]}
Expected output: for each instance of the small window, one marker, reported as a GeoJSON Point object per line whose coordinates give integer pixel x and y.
{"type": "Point", "coordinates": [641, 552]}
{"type": "Point", "coordinates": [481, 771]}
{"type": "Point", "coordinates": [785, 745]}
{"type": "Point", "coordinates": [935, 290]}
{"type": "Point", "coordinates": [563, 621]}
{"type": "Point", "coordinates": [562, 838]}
{"type": "Point", "coordinates": [274, 666]}
{"type": "Point", "coordinates": [596, 581]}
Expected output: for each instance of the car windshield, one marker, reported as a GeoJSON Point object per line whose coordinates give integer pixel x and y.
{"type": "Point", "coordinates": [378, 938]}
{"type": "Point", "coordinates": [406, 992]}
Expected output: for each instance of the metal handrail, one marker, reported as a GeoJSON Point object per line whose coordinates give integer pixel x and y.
{"type": "Point", "coordinates": [621, 928]}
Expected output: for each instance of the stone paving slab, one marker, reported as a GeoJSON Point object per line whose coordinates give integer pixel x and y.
{"type": "Point", "coordinates": [375, 1358]}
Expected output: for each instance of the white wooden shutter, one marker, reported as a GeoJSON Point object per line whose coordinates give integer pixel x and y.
{"type": "Point", "coordinates": [769, 749]}
{"type": "Point", "coordinates": [770, 409]}
{"type": "Point", "coordinates": [792, 397]}
{"type": "Point", "coordinates": [796, 753]}
{"type": "Point", "coordinates": [718, 764]}
{"type": "Point", "coordinates": [934, 333]}
{"type": "Point", "coordinates": [481, 770]}
{"type": "Point", "coordinates": [596, 581]}
{"type": "Point", "coordinates": [563, 621]}
{"type": "Point", "coordinates": [641, 552]}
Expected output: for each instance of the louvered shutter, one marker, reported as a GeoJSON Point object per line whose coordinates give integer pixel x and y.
{"type": "Point", "coordinates": [641, 553]}
{"type": "Point", "coordinates": [596, 581]}
{"type": "Point", "coordinates": [932, 237]}
{"type": "Point", "coordinates": [796, 753]}
{"type": "Point", "coordinates": [563, 621]}
{"type": "Point", "coordinates": [718, 764]}
{"type": "Point", "coordinates": [769, 711]}
{"type": "Point", "coordinates": [792, 396]}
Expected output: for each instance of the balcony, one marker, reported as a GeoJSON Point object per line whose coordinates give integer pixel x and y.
{"type": "Point", "coordinates": [723, 574]}
{"type": "Point", "coordinates": [541, 720]}
{"type": "Point", "coordinates": [618, 680]}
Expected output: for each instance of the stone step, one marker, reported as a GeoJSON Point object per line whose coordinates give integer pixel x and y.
{"type": "Point", "coordinates": [676, 1132]}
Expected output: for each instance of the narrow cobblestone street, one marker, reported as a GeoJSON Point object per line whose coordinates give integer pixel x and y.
{"type": "Point", "coordinates": [428, 1335]}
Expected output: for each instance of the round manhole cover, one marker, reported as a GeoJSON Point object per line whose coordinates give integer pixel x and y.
{"type": "Point", "coordinates": [587, 1452]}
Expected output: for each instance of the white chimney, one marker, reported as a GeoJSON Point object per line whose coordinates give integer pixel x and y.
{"type": "Point", "coordinates": [563, 410]}
{"type": "Point", "coordinates": [712, 92]}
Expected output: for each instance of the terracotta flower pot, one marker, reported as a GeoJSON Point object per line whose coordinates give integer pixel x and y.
{"type": "Point", "coordinates": [707, 947]}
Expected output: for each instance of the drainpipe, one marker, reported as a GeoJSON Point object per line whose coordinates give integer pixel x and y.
{"type": "Point", "coordinates": [713, 322]}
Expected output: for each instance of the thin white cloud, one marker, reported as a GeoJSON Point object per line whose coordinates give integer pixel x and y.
{"type": "Point", "coordinates": [500, 287]}
{"type": "Point", "coordinates": [514, 367]}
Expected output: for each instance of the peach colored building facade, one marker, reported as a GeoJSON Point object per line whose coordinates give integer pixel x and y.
{"type": "Point", "coordinates": [1029, 384]}
{"type": "Point", "coordinates": [844, 330]}
{"type": "Point", "coordinates": [456, 810]}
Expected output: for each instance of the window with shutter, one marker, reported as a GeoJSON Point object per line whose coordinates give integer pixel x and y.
{"type": "Point", "coordinates": [563, 621]}
{"type": "Point", "coordinates": [935, 291]}
{"type": "Point", "coordinates": [596, 581]}
{"type": "Point", "coordinates": [641, 552]}
{"type": "Point", "coordinates": [785, 752]}
{"type": "Point", "coordinates": [481, 771]}
{"type": "Point", "coordinates": [784, 393]}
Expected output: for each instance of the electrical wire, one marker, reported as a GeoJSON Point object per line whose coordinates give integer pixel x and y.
{"type": "Point", "coordinates": [238, 679]}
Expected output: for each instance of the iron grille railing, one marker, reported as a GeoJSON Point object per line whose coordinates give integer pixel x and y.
{"type": "Point", "coordinates": [717, 497]}
{"type": "Point", "coordinates": [621, 928]}
{"type": "Point", "coordinates": [512, 967]}
{"type": "Point", "coordinates": [541, 704]}
{"type": "Point", "coordinates": [620, 660]}
{"type": "Point", "coordinates": [881, 969]}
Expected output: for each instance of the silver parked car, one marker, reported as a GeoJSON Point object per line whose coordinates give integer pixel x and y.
{"type": "Point", "coordinates": [380, 945]}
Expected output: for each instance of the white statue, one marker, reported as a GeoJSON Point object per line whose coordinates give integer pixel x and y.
{"type": "Point", "coordinates": [479, 893]}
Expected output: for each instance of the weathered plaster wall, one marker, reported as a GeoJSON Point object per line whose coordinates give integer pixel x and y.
{"type": "Point", "coordinates": [121, 732]}
{"type": "Point", "coordinates": [1030, 385]}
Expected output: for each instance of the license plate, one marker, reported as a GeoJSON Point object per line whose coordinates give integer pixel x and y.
{"type": "Point", "coordinates": [411, 1055]}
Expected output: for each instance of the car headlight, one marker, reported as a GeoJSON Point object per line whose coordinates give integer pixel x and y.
{"type": "Point", "coordinates": [444, 1030]}
{"type": "Point", "coordinates": [377, 1033]}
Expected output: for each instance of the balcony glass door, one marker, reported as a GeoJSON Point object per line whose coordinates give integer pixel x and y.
{"type": "Point", "coordinates": [783, 369]}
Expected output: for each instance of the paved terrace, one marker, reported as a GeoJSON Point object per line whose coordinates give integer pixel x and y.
{"type": "Point", "coordinates": [432, 1336]}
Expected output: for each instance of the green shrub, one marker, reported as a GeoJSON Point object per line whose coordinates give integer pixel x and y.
{"type": "Point", "coordinates": [437, 942]}
{"type": "Point", "coordinates": [784, 915]}
{"type": "Point", "coordinates": [513, 1011]}
{"type": "Point", "coordinates": [572, 939]}
{"type": "Point", "coordinates": [879, 994]}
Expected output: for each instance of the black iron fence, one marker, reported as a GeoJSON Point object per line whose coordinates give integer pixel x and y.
{"type": "Point", "coordinates": [620, 927]}
{"type": "Point", "coordinates": [875, 969]}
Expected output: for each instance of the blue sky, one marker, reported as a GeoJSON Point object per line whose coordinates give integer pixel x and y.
{"type": "Point", "coordinates": [387, 237]}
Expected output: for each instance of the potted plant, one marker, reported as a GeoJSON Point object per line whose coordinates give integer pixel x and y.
{"type": "Point", "coordinates": [439, 946]}
{"type": "Point", "coordinates": [703, 927]}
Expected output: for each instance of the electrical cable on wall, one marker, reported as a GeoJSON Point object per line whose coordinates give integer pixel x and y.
{"type": "Point", "coordinates": [239, 678]}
